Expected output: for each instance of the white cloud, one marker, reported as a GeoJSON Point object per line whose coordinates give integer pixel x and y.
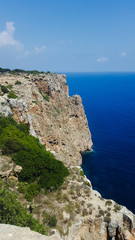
{"type": "Point", "coordinates": [102, 59]}
{"type": "Point", "coordinates": [123, 54]}
{"type": "Point", "coordinates": [40, 50]}
{"type": "Point", "coordinates": [7, 37]}
{"type": "Point", "coordinates": [24, 54]}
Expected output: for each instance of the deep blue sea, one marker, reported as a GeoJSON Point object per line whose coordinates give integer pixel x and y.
{"type": "Point", "coordinates": [109, 103]}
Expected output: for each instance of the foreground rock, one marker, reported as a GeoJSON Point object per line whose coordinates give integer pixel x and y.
{"type": "Point", "coordinates": [60, 123]}
{"type": "Point", "coordinates": [20, 233]}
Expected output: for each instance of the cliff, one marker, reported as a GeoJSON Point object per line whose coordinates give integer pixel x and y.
{"type": "Point", "coordinates": [58, 120]}
{"type": "Point", "coordinates": [55, 118]}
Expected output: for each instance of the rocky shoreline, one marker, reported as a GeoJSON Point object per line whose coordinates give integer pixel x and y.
{"type": "Point", "coordinates": [59, 121]}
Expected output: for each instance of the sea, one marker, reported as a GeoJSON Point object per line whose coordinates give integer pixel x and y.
{"type": "Point", "coordinates": [109, 103]}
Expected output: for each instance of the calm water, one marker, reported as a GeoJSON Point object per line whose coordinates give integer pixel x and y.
{"type": "Point", "coordinates": [109, 102]}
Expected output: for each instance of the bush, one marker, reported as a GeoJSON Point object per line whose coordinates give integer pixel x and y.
{"type": "Point", "coordinates": [37, 164]}
{"type": "Point", "coordinates": [46, 97]}
{"type": "Point", "coordinates": [29, 190]}
{"type": "Point", "coordinates": [18, 83]}
{"type": "Point", "coordinates": [12, 212]}
{"type": "Point", "coordinates": [108, 202]}
{"type": "Point", "coordinates": [10, 86]}
{"type": "Point", "coordinates": [32, 191]}
{"type": "Point", "coordinates": [22, 187]}
{"type": "Point", "coordinates": [16, 71]}
{"type": "Point", "coordinates": [82, 173]}
{"type": "Point", "coordinates": [3, 70]}
{"type": "Point", "coordinates": [11, 94]}
{"type": "Point", "coordinates": [4, 89]}
{"type": "Point", "coordinates": [49, 220]}
{"type": "Point", "coordinates": [52, 221]}
{"type": "Point", "coordinates": [117, 207]}
{"type": "Point", "coordinates": [10, 122]}
{"type": "Point", "coordinates": [101, 212]}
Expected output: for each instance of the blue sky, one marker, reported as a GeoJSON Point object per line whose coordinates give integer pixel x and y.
{"type": "Point", "coordinates": [68, 36]}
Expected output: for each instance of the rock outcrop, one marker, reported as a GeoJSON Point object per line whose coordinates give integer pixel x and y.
{"type": "Point", "coordinates": [10, 232]}
{"type": "Point", "coordinates": [59, 121]}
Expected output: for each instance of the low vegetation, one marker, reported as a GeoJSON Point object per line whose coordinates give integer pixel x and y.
{"type": "Point", "coordinates": [46, 97]}
{"type": "Point", "coordinates": [11, 94]}
{"type": "Point", "coordinates": [4, 89]}
{"type": "Point", "coordinates": [49, 220]}
{"type": "Point", "coordinates": [40, 169]}
{"type": "Point", "coordinates": [18, 83]}
{"type": "Point", "coordinates": [8, 89]}
{"type": "Point", "coordinates": [12, 212]}
{"type": "Point", "coordinates": [16, 71]}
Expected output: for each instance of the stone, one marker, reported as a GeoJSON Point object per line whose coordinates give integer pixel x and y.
{"type": "Point", "coordinates": [13, 103]}
{"type": "Point", "coordinates": [17, 169]}
{"type": "Point", "coordinates": [6, 110]}
{"type": "Point", "coordinates": [6, 166]}
{"type": "Point", "coordinates": [66, 216]}
{"type": "Point", "coordinates": [9, 232]}
{"type": "Point", "coordinates": [112, 228]}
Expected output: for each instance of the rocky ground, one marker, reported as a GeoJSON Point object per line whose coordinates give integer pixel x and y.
{"type": "Point", "coordinates": [59, 121]}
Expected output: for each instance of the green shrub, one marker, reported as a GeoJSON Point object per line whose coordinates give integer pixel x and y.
{"type": "Point", "coordinates": [34, 101]}
{"type": "Point", "coordinates": [37, 164]}
{"type": "Point", "coordinates": [23, 127]}
{"type": "Point", "coordinates": [10, 86]}
{"type": "Point", "coordinates": [33, 190]}
{"type": "Point", "coordinates": [12, 212]}
{"type": "Point", "coordinates": [18, 83]}
{"type": "Point", "coordinates": [51, 221]}
{"type": "Point", "coordinates": [46, 97]}
{"type": "Point", "coordinates": [82, 173]}
{"type": "Point", "coordinates": [108, 214]}
{"type": "Point", "coordinates": [29, 190]}
{"type": "Point", "coordinates": [11, 94]}
{"type": "Point", "coordinates": [18, 71]}
{"type": "Point", "coordinates": [117, 207]}
{"type": "Point", "coordinates": [2, 70]}
{"type": "Point", "coordinates": [4, 89]}
{"type": "Point", "coordinates": [22, 187]}
{"type": "Point", "coordinates": [107, 219]}
{"type": "Point", "coordinates": [108, 202]}
{"type": "Point", "coordinates": [101, 212]}
{"type": "Point", "coordinates": [10, 122]}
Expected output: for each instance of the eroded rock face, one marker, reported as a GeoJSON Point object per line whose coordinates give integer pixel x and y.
{"type": "Point", "coordinates": [58, 120]}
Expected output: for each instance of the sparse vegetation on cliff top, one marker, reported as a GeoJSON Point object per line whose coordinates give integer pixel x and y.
{"type": "Point", "coordinates": [16, 71]}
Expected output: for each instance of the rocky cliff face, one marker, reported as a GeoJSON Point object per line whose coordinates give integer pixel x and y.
{"type": "Point", "coordinates": [57, 119]}
{"type": "Point", "coordinates": [60, 123]}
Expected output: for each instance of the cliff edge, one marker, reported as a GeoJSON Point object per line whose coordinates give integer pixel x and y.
{"type": "Point", "coordinates": [55, 118]}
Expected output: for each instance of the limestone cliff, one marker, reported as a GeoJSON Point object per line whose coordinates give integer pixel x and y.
{"type": "Point", "coordinates": [57, 119]}
{"type": "Point", "coordinates": [60, 123]}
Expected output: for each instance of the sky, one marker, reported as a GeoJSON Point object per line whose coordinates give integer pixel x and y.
{"type": "Point", "coordinates": [68, 35]}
